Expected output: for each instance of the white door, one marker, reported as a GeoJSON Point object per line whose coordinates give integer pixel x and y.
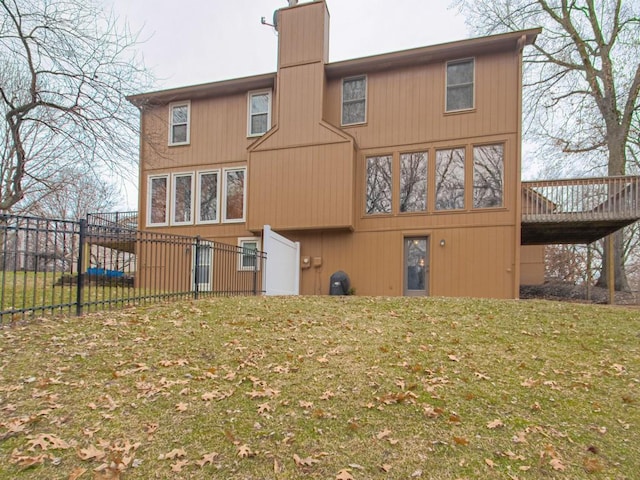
{"type": "Point", "coordinates": [202, 266]}
{"type": "Point", "coordinates": [282, 271]}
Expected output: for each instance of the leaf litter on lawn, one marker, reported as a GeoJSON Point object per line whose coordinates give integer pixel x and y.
{"type": "Point", "coordinates": [323, 387]}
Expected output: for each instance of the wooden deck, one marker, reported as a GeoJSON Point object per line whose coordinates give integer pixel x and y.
{"type": "Point", "coordinates": [578, 210]}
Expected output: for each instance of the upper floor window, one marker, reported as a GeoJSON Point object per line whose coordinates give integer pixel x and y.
{"type": "Point", "coordinates": [182, 198]}
{"type": "Point", "coordinates": [179, 120]}
{"type": "Point", "coordinates": [354, 100]}
{"type": "Point", "coordinates": [450, 179]}
{"type": "Point", "coordinates": [157, 200]}
{"type": "Point", "coordinates": [234, 193]}
{"type": "Point", "coordinates": [413, 182]}
{"type": "Point", "coordinates": [488, 173]}
{"type": "Point", "coordinates": [460, 78]}
{"type": "Point", "coordinates": [379, 184]}
{"type": "Point", "coordinates": [259, 113]}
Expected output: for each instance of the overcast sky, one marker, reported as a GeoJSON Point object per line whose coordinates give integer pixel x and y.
{"type": "Point", "coordinates": [187, 42]}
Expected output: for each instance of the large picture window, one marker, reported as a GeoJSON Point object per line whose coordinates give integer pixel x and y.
{"type": "Point", "coordinates": [182, 198]}
{"type": "Point", "coordinates": [158, 198]}
{"type": "Point", "coordinates": [209, 196]}
{"type": "Point", "coordinates": [259, 113]}
{"type": "Point", "coordinates": [413, 182]}
{"type": "Point", "coordinates": [460, 78]}
{"type": "Point", "coordinates": [488, 176]}
{"type": "Point", "coordinates": [450, 179]}
{"type": "Point", "coordinates": [179, 118]}
{"type": "Point", "coordinates": [354, 100]}
{"type": "Point", "coordinates": [379, 184]}
{"type": "Point", "coordinates": [234, 192]}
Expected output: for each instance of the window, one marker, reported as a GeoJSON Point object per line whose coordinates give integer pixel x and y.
{"type": "Point", "coordinates": [488, 168]}
{"type": "Point", "coordinates": [234, 195]}
{"type": "Point", "coordinates": [182, 198]}
{"type": "Point", "coordinates": [208, 197]}
{"type": "Point", "coordinates": [413, 182]}
{"type": "Point", "coordinates": [249, 259]}
{"type": "Point", "coordinates": [354, 100]}
{"type": "Point", "coordinates": [460, 75]}
{"type": "Point", "coordinates": [157, 200]}
{"type": "Point", "coordinates": [379, 180]}
{"type": "Point", "coordinates": [259, 113]}
{"type": "Point", "coordinates": [179, 116]}
{"type": "Point", "coordinates": [450, 179]}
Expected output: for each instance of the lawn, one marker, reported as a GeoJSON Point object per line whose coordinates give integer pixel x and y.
{"type": "Point", "coordinates": [324, 388]}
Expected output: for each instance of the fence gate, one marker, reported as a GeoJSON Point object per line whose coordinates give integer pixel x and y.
{"type": "Point", "coordinates": [282, 273]}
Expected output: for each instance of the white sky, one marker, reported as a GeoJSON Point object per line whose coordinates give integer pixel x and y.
{"type": "Point", "coordinates": [198, 41]}
{"type": "Point", "coordinates": [187, 42]}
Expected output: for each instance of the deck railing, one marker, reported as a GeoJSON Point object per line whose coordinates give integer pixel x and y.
{"type": "Point", "coordinates": [114, 219]}
{"type": "Point", "coordinates": [599, 198]}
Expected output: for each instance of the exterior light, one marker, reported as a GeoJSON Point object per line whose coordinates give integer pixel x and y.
{"type": "Point", "coordinates": [442, 243]}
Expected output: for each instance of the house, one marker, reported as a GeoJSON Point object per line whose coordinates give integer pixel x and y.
{"type": "Point", "coordinates": [400, 169]}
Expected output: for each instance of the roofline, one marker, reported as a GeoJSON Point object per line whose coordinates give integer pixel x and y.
{"type": "Point", "coordinates": [449, 51]}
{"type": "Point", "coordinates": [442, 51]}
{"type": "Point", "coordinates": [224, 87]}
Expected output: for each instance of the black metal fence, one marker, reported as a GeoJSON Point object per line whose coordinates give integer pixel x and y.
{"type": "Point", "coordinates": [50, 267]}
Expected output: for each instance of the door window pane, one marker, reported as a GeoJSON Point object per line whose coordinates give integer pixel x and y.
{"type": "Point", "coordinates": [488, 173]}
{"type": "Point", "coordinates": [450, 179]}
{"type": "Point", "coordinates": [378, 185]}
{"type": "Point", "coordinates": [413, 182]}
{"type": "Point", "coordinates": [416, 263]}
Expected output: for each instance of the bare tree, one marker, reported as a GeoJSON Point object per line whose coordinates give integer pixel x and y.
{"type": "Point", "coordinates": [582, 80]}
{"type": "Point", "coordinates": [65, 68]}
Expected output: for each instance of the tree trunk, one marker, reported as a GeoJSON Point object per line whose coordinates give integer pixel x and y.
{"type": "Point", "coordinates": [616, 167]}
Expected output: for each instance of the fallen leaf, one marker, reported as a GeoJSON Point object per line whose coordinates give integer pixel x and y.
{"type": "Point", "coordinates": [489, 462]}
{"type": "Point", "coordinates": [77, 473]}
{"type": "Point", "coordinates": [177, 467]}
{"type": "Point", "coordinates": [244, 451]}
{"type": "Point", "coordinates": [495, 423]}
{"type": "Point", "coordinates": [304, 462]}
{"type": "Point", "coordinates": [461, 440]}
{"type": "Point", "coordinates": [175, 453]}
{"type": "Point", "coordinates": [91, 453]}
{"type": "Point", "coordinates": [344, 475]}
{"type": "Point", "coordinates": [207, 459]}
{"type": "Point", "coordinates": [453, 358]}
{"type": "Point", "coordinates": [384, 433]}
{"type": "Point", "coordinates": [557, 464]}
{"type": "Point", "coordinates": [385, 467]}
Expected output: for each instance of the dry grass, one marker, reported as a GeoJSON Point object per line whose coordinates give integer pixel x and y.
{"type": "Point", "coordinates": [317, 387]}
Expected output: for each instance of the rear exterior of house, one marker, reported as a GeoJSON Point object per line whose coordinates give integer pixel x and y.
{"type": "Point", "coordinates": [401, 169]}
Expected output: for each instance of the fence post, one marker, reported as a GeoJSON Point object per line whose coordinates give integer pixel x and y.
{"type": "Point", "coordinates": [258, 257]}
{"type": "Point", "coordinates": [80, 284]}
{"type": "Point", "coordinates": [196, 265]}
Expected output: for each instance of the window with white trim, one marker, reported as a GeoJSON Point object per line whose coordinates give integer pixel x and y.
{"type": "Point", "coordinates": [208, 196]}
{"type": "Point", "coordinates": [182, 199]}
{"type": "Point", "coordinates": [157, 200]}
{"type": "Point", "coordinates": [354, 100]}
{"type": "Point", "coordinates": [179, 123]}
{"type": "Point", "coordinates": [259, 108]}
{"type": "Point", "coordinates": [460, 79]}
{"type": "Point", "coordinates": [249, 258]}
{"type": "Point", "coordinates": [234, 194]}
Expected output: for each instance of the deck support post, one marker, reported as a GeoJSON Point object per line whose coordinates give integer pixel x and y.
{"type": "Point", "coordinates": [589, 275]}
{"type": "Point", "coordinates": [611, 271]}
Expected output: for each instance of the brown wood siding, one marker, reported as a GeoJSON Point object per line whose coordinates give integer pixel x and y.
{"type": "Point", "coordinates": [532, 264]}
{"type": "Point", "coordinates": [407, 106]}
{"type": "Point", "coordinates": [303, 34]}
{"type": "Point", "coordinates": [218, 135]}
{"type": "Point", "coordinates": [302, 187]}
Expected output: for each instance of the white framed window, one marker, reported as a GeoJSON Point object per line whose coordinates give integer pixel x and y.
{"type": "Point", "coordinates": [259, 108]}
{"type": "Point", "coordinates": [460, 85]}
{"type": "Point", "coordinates": [234, 191]}
{"type": "Point", "coordinates": [157, 200]}
{"type": "Point", "coordinates": [182, 195]}
{"type": "Point", "coordinates": [179, 123]}
{"type": "Point", "coordinates": [248, 258]}
{"type": "Point", "coordinates": [354, 100]}
{"type": "Point", "coordinates": [207, 206]}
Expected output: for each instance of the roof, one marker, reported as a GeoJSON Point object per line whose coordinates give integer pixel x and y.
{"type": "Point", "coordinates": [450, 50]}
